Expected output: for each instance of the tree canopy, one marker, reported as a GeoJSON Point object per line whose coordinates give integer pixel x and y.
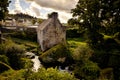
{"type": "Point", "coordinates": [3, 8]}
{"type": "Point", "coordinates": [96, 15]}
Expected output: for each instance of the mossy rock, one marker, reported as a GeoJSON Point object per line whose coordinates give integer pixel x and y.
{"type": "Point", "coordinates": [56, 53]}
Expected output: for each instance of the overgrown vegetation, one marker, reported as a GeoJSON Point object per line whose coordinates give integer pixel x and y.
{"type": "Point", "coordinates": [42, 74]}
{"type": "Point", "coordinates": [92, 51]}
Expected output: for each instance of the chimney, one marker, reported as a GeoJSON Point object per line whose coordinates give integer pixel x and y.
{"type": "Point", "coordinates": [53, 15]}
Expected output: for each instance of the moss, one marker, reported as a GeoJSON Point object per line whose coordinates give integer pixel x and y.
{"type": "Point", "coordinates": [56, 53]}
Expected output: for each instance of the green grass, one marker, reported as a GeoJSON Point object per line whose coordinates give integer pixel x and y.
{"type": "Point", "coordinates": [25, 42]}
{"type": "Point", "coordinates": [75, 42]}
{"type": "Point", "coordinates": [29, 45]}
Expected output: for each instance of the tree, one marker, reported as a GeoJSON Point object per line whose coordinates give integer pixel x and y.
{"type": "Point", "coordinates": [3, 8]}
{"type": "Point", "coordinates": [3, 11]}
{"type": "Point", "coordinates": [94, 15]}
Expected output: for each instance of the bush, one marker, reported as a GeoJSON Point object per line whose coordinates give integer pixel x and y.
{"type": "Point", "coordinates": [14, 53]}
{"type": "Point", "coordinates": [3, 63]}
{"type": "Point", "coordinates": [51, 74]}
{"type": "Point", "coordinates": [29, 34]}
{"type": "Point", "coordinates": [11, 47]}
{"type": "Point", "coordinates": [2, 49]}
{"type": "Point", "coordinates": [4, 59]}
{"type": "Point", "coordinates": [72, 33]}
{"type": "Point", "coordinates": [87, 70]}
{"type": "Point", "coordinates": [26, 63]}
{"type": "Point", "coordinates": [83, 53]}
{"type": "Point", "coordinates": [42, 74]}
{"type": "Point", "coordinates": [13, 75]}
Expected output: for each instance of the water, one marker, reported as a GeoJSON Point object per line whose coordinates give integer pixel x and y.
{"type": "Point", "coordinates": [36, 62]}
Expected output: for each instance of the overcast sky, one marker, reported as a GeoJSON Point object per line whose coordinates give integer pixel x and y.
{"type": "Point", "coordinates": [40, 8]}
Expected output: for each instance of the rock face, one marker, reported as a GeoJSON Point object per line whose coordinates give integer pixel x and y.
{"type": "Point", "coordinates": [51, 32]}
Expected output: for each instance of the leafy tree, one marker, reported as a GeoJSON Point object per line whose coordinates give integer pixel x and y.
{"type": "Point", "coordinates": [3, 11]}
{"type": "Point", "coordinates": [3, 8]}
{"type": "Point", "coordinates": [94, 15]}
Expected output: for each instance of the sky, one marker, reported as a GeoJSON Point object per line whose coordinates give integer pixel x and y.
{"type": "Point", "coordinates": [41, 8]}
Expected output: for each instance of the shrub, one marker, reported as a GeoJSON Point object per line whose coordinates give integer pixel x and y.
{"type": "Point", "coordinates": [26, 35]}
{"type": "Point", "coordinates": [13, 75]}
{"type": "Point", "coordinates": [25, 63]}
{"type": "Point", "coordinates": [2, 49]}
{"type": "Point", "coordinates": [88, 70]}
{"type": "Point", "coordinates": [51, 74]}
{"type": "Point", "coordinates": [83, 53]}
{"type": "Point", "coordinates": [72, 33]}
{"type": "Point", "coordinates": [14, 53]}
{"type": "Point", "coordinates": [3, 63]}
{"type": "Point", "coordinates": [11, 47]}
{"type": "Point", "coordinates": [42, 74]}
{"type": "Point", "coordinates": [4, 59]}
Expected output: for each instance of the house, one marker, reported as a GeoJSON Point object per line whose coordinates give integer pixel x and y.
{"type": "Point", "coordinates": [51, 32]}
{"type": "Point", "coordinates": [9, 22]}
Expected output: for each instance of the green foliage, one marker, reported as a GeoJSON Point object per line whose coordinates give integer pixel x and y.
{"type": "Point", "coordinates": [13, 75]}
{"type": "Point", "coordinates": [13, 52]}
{"type": "Point", "coordinates": [3, 8]}
{"type": "Point", "coordinates": [26, 35]}
{"type": "Point", "coordinates": [4, 59]}
{"type": "Point", "coordinates": [73, 43]}
{"type": "Point", "coordinates": [90, 71]}
{"type": "Point", "coordinates": [96, 15]}
{"type": "Point", "coordinates": [42, 74]}
{"type": "Point", "coordinates": [2, 49]}
{"type": "Point", "coordinates": [87, 70]}
{"type": "Point", "coordinates": [25, 63]}
{"type": "Point", "coordinates": [51, 74]}
{"type": "Point", "coordinates": [11, 47]}
{"type": "Point", "coordinates": [72, 33]}
{"type": "Point", "coordinates": [83, 53]}
{"type": "Point", "coordinates": [55, 53]}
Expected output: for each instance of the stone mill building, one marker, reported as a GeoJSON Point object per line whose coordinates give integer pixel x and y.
{"type": "Point", "coordinates": [51, 32]}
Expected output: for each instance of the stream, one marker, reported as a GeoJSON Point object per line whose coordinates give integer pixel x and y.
{"type": "Point", "coordinates": [37, 64]}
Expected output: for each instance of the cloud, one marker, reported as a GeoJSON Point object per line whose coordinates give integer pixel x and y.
{"type": "Point", "coordinates": [35, 8]}
{"type": "Point", "coordinates": [32, 10]}
{"type": "Point", "coordinates": [64, 5]}
{"type": "Point", "coordinates": [41, 8]}
{"type": "Point", "coordinates": [63, 16]}
{"type": "Point", "coordinates": [18, 7]}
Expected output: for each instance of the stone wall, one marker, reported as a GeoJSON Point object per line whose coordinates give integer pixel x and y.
{"type": "Point", "coordinates": [51, 32]}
